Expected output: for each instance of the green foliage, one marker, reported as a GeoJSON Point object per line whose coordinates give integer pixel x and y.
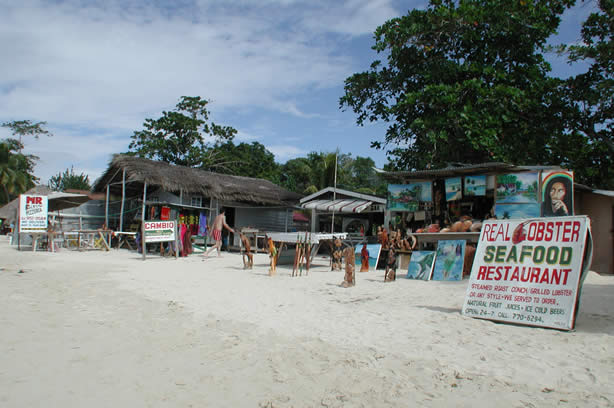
{"type": "Point", "coordinates": [589, 145]}
{"type": "Point", "coordinates": [463, 82]}
{"type": "Point", "coordinates": [16, 170]}
{"type": "Point", "coordinates": [178, 136]}
{"type": "Point", "coordinates": [244, 159]}
{"type": "Point", "coordinates": [21, 128]}
{"type": "Point", "coordinates": [69, 180]}
{"type": "Point", "coordinates": [307, 175]}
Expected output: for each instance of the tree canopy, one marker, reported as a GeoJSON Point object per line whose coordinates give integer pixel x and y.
{"type": "Point", "coordinates": [16, 170]}
{"type": "Point", "coordinates": [463, 82]}
{"type": "Point", "coordinates": [178, 137]}
{"type": "Point", "coordinates": [244, 159]}
{"type": "Point", "coordinates": [69, 180]}
{"type": "Point", "coordinates": [316, 171]}
{"type": "Point", "coordinates": [591, 98]}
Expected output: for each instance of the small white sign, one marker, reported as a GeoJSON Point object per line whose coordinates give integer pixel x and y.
{"type": "Point", "coordinates": [159, 231]}
{"type": "Point", "coordinates": [32, 213]}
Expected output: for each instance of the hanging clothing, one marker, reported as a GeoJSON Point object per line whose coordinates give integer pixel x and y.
{"type": "Point", "coordinates": [202, 225]}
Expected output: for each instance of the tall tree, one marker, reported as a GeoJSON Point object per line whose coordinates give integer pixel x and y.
{"type": "Point", "coordinates": [178, 137]}
{"type": "Point", "coordinates": [591, 96]}
{"type": "Point", "coordinates": [16, 170]}
{"type": "Point", "coordinates": [21, 128]}
{"type": "Point", "coordinates": [306, 175]}
{"type": "Point", "coordinates": [464, 81]}
{"type": "Point", "coordinates": [69, 180]}
{"type": "Point", "coordinates": [244, 159]}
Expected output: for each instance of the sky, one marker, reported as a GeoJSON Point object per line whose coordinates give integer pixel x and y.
{"type": "Point", "coordinates": [94, 70]}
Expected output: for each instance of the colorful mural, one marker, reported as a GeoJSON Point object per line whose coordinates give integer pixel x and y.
{"type": "Point", "coordinates": [557, 193]}
{"type": "Point", "coordinates": [449, 260]}
{"type": "Point", "coordinates": [374, 252]}
{"type": "Point", "coordinates": [406, 197]}
{"type": "Point", "coordinates": [421, 265]}
{"type": "Point", "coordinates": [517, 188]}
{"type": "Point", "coordinates": [454, 189]}
{"type": "Point", "coordinates": [475, 186]}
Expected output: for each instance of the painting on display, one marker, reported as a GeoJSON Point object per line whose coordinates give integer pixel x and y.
{"type": "Point", "coordinates": [517, 188]}
{"type": "Point", "coordinates": [516, 211]}
{"type": "Point", "coordinates": [475, 186]}
{"type": "Point", "coordinates": [557, 193]}
{"type": "Point", "coordinates": [449, 260]}
{"type": "Point", "coordinates": [406, 197]}
{"type": "Point", "coordinates": [421, 265]}
{"type": "Point", "coordinates": [374, 252]}
{"type": "Point", "coordinates": [453, 189]}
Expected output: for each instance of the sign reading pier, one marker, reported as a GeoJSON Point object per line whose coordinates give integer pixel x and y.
{"type": "Point", "coordinates": [528, 271]}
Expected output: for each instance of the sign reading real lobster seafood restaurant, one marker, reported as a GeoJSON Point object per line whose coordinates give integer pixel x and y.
{"type": "Point", "coordinates": [159, 231]}
{"type": "Point", "coordinates": [529, 271]}
{"type": "Point", "coordinates": [32, 213]}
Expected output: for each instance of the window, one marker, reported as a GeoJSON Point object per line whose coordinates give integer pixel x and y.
{"type": "Point", "coordinates": [197, 201]}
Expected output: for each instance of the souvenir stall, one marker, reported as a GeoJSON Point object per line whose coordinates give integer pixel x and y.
{"type": "Point", "coordinates": [157, 191]}
{"type": "Point", "coordinates": [446, 207]}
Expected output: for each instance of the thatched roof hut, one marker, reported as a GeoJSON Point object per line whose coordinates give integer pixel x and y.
{"type": "Point", "coordinates": [174, 178]}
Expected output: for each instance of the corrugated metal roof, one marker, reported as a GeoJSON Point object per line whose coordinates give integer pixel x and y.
{"type": "Point", "coordinates": [451, 171]}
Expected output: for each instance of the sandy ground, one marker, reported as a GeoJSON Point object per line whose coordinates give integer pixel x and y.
{"type": "Point", "coordinates": [107, 329]}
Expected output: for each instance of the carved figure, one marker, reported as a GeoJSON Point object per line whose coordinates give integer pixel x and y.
{"type": "Point", "coordinates": [349, 278]}
{"type": "Point", "coordinates": [391, 266]}
{"type": "Point", "coordinates": [248, 257]}
{"type": "Point", "coordinates": [364, 260]}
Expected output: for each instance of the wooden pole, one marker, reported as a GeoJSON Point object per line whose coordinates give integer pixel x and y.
{"type": "Point", "coordinates": [121, 211]}
{"type": "Point", "coordinates": [106, 208]}
{"type": "Point", "coordinates": [143, 220]}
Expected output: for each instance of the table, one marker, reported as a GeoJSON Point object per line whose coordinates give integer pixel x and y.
{"type": "Point", "coordinates": [302, 237]}
{"type": "Point", "coordinates": [92, 241]}
{"type": "Point", "coordinates": [123, 239]}
{"type": "Point", "coordinates": [254, 234]}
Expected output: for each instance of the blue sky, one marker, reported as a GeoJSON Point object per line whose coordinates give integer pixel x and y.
{"type": "Point", "coordinates": [273, 69]}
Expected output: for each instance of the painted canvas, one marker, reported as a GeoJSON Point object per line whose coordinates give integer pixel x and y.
{"type": "Point", "coordinates": [449, 260]}
{"type": "Point", "coordinates": [406, 197]}
{"type": "Point", "coordinates": [517, 188]}
{"type": "Point", "coordinates": [453, 189]}
{"type": "Point", "coordinates": [557, 193]}
{"type": "Point", "coordinates": [421, 265]}
{"type": "Point", "coordinates": [515, 211]}
{"type": "Point", "coordinates": [374, 252]}
{"type": "Point", "coordinates": [475, 186]}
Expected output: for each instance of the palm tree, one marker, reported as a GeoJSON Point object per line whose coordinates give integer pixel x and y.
{"type": "Point", "coordinates": [14, 176]}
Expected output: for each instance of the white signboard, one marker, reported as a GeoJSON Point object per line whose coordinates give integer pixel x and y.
{"type": "Point", "coordinates": [528, 271]}
{"type": "Point", "coordinates": [159, 231]}
{"type": "Point", "coordinates": [32, 213]}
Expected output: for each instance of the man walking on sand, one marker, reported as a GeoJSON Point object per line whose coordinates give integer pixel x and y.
{"type": "Point", "coordinates": [216, 232]}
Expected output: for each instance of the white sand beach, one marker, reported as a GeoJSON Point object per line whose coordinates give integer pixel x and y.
{"type": "Point", "coordinates": [107, 329]}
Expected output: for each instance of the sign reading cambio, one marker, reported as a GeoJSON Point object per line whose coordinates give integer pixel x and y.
{"type": "Point", "coordinates": [159, 231]}
{"type": "Point", "coordinates": [32, 213]}
{"type": "Point", "coordinates": [528, 271]}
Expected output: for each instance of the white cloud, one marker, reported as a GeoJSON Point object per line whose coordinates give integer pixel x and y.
{"type": "Point", "coordinates": [286, 152]}
{"type": "Point", "coordinates": [94, 70]}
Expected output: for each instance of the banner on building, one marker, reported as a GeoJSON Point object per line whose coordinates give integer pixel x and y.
{"type": "Point", "coordinates": [530, 271]}
{"type": "Point", "coordinates": [33, 213]}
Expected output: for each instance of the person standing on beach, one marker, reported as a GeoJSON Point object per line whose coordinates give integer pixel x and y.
{"type": "Point", "coordinates": [216, 232]}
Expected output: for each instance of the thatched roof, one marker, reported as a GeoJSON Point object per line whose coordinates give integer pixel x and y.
{"type": "Point", "coordinates": [9, 211]}
{"type": "Point", "coordinates": [175, 178]}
